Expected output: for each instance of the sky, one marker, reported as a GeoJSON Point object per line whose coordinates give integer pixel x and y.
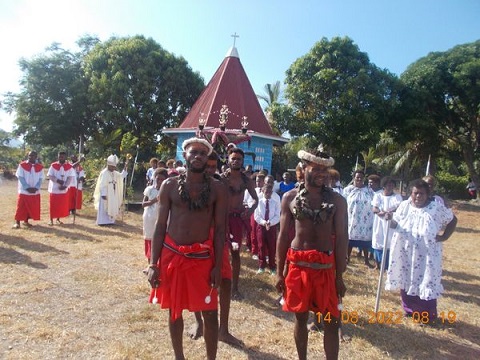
{"type": "Point", "coordinates": [272, 33]}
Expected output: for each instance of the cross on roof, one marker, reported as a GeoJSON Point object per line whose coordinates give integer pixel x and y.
{"type": "Point", "coordinates": [235, 36]}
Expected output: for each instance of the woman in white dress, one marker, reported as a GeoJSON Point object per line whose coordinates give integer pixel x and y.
{"type": "Point", "coordinates": [150, 209]}
{"type": "Point", "coordinates": [416, 253]}
{"type": "Point", "coordinates": [384, 202]}
{"type": "Point", "coordinates": [360, 215]}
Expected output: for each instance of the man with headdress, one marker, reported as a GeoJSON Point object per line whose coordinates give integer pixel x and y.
{"type": "Point", "coordinates": [196, 330]}
{"type": "Point", "coordinates": [108, 195]}
{"type": "Point", "coordinates": [309, 270]}
{"type": "Point", "coordinates": [60, 175]}
{"type": "Point", "coordinates": [187, 251]}
{"type": "Point", "coordinates": [30, 176]}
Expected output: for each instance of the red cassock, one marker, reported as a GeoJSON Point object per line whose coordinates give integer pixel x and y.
{"type": "Point", "coordinates": [309, 289]}
{"type": "Point", "coordinates": [60, 202]}
{"type": "Point", "coordinates": [185, 280]}
{"type": "Point", "coordinates": [28, 205]}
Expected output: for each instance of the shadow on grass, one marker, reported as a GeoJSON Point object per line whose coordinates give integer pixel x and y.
{"type": "Point", "coordinates": [258, 290]}
{"type": "Point", "coordinates": [463, 230]}
{"type": "Point", "coordinates": [29, 245]}
{"type": "Point", "coordinates": [460, 276]}
{"type": "Point", "coordinates": [465, 293]}
{"type": "Point", "coordinates": [65, 231]}
{"type": "Point", "coordinates": [423, 342]}
{"type": "Point", "coordinates": [120, 228]}
{"type": "Point", "coordinates": [463, 206]}
{"type": "Point", "coordinates": [87, 233]}
{"type": "Point", "coordinates": [11, 256]}
{"type": "Point", "coordinates": [256, 354]}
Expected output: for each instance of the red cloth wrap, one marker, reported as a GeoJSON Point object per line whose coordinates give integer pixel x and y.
{"type": "Point", "coordinates": [75, 197]}
{"type": "Point", "coordinates": [310, 289]}
{"type": "Point", "coordinates": [185, 282]}
{"type": "Point", "coordinates": [237, 226]}
{"type": "Point", "coordinates": [28, 207]}
{"type": "Point", "coordinates": [59, 204]}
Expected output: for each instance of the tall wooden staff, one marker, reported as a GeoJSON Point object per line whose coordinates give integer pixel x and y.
{"type": "Point", "coordinates": [427, 171]}
{"type": "Point", "coordinates": [125, 182]}
{"type": "Point", "coordinates": [134, 163]}
{"type": "Point", "coordinates": [74, 165]}
{"type": "Point", "coordinates": [80, 159]}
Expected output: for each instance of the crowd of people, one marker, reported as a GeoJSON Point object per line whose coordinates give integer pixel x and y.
{"type": "Point", "coordinates": [65, 181]}
{"type": "Point", "coordinates": [198, 218]}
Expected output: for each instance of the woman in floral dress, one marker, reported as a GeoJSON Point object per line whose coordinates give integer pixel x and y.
{"type": "Point", "coordinates": [416, 251]}
{"type": "Point", "coordinates": [360, 215]}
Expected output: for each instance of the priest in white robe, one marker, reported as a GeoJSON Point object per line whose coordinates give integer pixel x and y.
{"type": "Point", "coordinates": [108, 195]}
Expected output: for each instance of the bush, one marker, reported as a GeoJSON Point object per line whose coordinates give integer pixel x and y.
{"type": "Point", "coordinates": [452, 186]}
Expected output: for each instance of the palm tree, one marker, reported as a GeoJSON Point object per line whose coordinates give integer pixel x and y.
{"type": "Point", "coordinates": [406, 161]}
{"type": "Point", "coordinates": [272, 96]}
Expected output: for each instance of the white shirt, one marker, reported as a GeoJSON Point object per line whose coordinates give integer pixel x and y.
{"type": "Point", "coordinates": [274, 211]}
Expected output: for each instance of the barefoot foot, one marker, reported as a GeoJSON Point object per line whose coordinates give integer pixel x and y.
{"type": "Point", "coordinates": [228, 338]}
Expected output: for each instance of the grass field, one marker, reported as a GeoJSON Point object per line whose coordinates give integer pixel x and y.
{"type": "Point", "coordinates": [77, 291]}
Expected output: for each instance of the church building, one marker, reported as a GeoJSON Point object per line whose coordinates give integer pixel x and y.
{"type": "Point", "coordinates": [228, 111]}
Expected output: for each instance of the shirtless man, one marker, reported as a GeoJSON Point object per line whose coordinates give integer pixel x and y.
{"type": "Point", "coordinates": [196, 330]}
{"type": "Point", "coordinates": [238, 216]}
{"type": "Point", "coordinates": [313, 257]}
{"type": "Point", "coordinates": [183, 271]}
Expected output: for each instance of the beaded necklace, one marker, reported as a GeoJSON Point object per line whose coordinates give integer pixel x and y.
{"type": "Point", "coordinates": [194, 204]}
{"type": "Point", "coordinates": [302, 208]}
{"type": "Point", "coordinates": [233, 190]}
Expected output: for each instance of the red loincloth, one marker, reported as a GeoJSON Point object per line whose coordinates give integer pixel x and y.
{"type": "Point", "coordinates": [185, 282]}
{"type": "Point", "coordinates": [236, 227]}
{"type": "Point", "coordinates": [28, 207]}
{"type": "Point", "coordinates": [310, 289]}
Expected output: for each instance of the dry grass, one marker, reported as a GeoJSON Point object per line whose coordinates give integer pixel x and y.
{"type": "Point", "coordinates": [77, 291]}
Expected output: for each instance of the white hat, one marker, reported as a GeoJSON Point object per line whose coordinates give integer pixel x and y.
{"type": "Point", "coordinates": [320, 157]}
{"type": "Point", "coordinates": [112, 160]}
{"type": "Point", "coordinates": [199, 141]}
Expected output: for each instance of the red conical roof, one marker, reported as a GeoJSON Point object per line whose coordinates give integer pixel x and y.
{"type": "Point", "coordinates": [229, 86]}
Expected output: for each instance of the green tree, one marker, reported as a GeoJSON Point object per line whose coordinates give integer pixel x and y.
{"type": "Point", "coordinates": [137, 86]}
{"type": "Point", "coordinates": [445, 89]}
{"type": "Point", "coordinates": [271, 97]}
{"type": "Point", "coordinates": [340, 98]}
{"type": "Point", "coordinates": [102, 92]}
{"type": "Point", "coordinates": [52, 106]}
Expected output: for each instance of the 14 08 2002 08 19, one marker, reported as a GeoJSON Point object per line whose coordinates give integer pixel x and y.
{"type": "Point", "coordinates": [385, 317]}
